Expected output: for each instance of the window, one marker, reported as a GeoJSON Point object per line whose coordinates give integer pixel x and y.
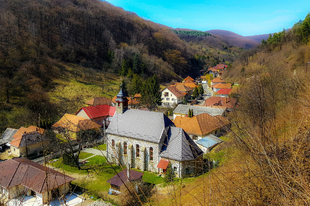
{"type": "Point", "coordinates": [175, 169]}
{"type": "Point", "coordinates": [187, 171]}
{"type": "Point", "coordinates": [167, 99]}
{"type": "Point", "coordinates": [166, 94]}
{"type": "Point", "coordinates": [137, 151]}
{"type": "Point", "coordinates": [151, 153]}
{"type": "Point", "coordinates": [172, 99]}
{"type": "Point", "coordinates": [113, 143]}
{"type": "Point", "coordinates": [125, 148]}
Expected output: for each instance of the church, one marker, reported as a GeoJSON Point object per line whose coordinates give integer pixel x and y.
{"type": "Point", "coordinates": [149, 141]}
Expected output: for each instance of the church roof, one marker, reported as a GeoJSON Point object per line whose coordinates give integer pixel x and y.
{"type": "Point", "coordinates": [179, 146]}
{"type": "Point", "coordinates": [139, 124]}
{"type": "Point", "coordinates": [121, 95]}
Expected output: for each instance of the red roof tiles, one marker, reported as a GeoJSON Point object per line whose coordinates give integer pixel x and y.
{"type": "Point", "coordinates": [224, 91]}
{"type": "Point", "coordinates": [98, 111]}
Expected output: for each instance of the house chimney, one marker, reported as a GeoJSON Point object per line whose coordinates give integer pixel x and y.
{"type": "Point", "coordinates": [128, 171]}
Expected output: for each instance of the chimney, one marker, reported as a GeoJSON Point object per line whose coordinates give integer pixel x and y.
{"type": "Point", "coordinates": [128, 171]}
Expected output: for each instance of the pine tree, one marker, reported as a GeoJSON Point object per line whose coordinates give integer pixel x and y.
{"type": "Point", "coordinates": [195, 92]}
{"type": "Point", "coordinates": [169, 176]}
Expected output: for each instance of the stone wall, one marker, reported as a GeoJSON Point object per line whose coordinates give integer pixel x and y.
{"type": "Point", "coordinates": [142, 162]}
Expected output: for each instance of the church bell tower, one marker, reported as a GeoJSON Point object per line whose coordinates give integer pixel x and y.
{"type": "Point", "coordinates": [121, 101]}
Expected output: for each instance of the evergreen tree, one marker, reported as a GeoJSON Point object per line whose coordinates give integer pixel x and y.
{"type": "Point", "coordinates": [136, 64]}
{"type": "Point", "coordinates": [200, 89]}
{"type": "Point", "coordinates": [169, 176]}
{"type": "Point", "coordinates": [195, 93]}
{"type": "Point", "coordinates": [136, 84]}
{"type": "Point", "coordinates": [124, 69]}
{"type": "Point", "coordinates": [130, 74]}
{"type": "Point", "coordinates": [150, 92]}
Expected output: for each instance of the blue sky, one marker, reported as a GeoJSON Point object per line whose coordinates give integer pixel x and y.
{"type": "Point", "coordinates": [246, 18]}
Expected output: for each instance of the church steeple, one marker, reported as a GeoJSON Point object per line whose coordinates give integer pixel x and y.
{"type": "Point", "coordinates": [121, 101]}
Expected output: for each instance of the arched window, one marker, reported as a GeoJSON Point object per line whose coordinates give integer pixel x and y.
{"type": "Point", "coordinates": [125, 147]}
{"type": "Point", "coordinates": [151, 153]}
{"type": "Point", "coordinates": [113, 143]}
{"type": "Point", "coordinates": [137, 151]}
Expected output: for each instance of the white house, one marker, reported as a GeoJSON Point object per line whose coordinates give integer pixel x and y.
{"type": "Point", "coordinates": [171, 96]}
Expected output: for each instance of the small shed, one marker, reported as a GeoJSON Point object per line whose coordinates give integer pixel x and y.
{"type": "Point", "coordinates": [207, 143]}
{"type": "Point", "coordinates": [124, 176]}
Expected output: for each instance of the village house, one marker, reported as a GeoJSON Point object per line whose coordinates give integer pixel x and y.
{"type": "Point", "coordinates": [228, 103]}
{"type": "Point", "coordinates": [143, 139]}
{"type": "Point", "coordinates": [219, 86]}
{"type": "Point", "coordinates": [99, 101]}
{"type": "Point", "coordinates": [22, 178]}
{"type": "Point", "coordinates": [71, 124]}
{"type": "Point", "coordinates": [223, 93]}
{"type": "Point", "coordinates": [101, 114]}
{"type": "Point", "coordinates": [188, 79]}
{"type": "Point", "coordinates": [182, 110]}
{"type": "Point", "coordinates": [186, 90]}
{"type": "Point", "coordinates": [120, 179]}
{"type": "Point", "coordinates": [171, 96]}
{"type": "Point", "coordinates": [28, 141]}
{"type": "Point", "coordinates": [202, 125]}
{"type": "Point", "coordinates": [216, 81]}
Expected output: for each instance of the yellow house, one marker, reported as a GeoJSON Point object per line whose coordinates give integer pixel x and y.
{"type": "Point", "coordinates": [72, 124]}
{"type": "Point", "coordinates": [28, 142]}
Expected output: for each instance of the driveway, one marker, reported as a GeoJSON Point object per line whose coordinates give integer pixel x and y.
{"type": "Point", "coordinates": [95, 151]}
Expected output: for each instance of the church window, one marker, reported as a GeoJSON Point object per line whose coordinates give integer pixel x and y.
{"type": "Point", "coordinates": [137, 151]}
{"type": "Point", "coordinates": [175, 169]}
{"type": "Point", "coordinates": [125, 147]}
{"type": "Point", "coordinates": [113, 143]}
{"type": "Point", "coordinates": [151, 153]}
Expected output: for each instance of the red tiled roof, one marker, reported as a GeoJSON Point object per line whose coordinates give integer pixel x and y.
{"type": "Point", "coordinates": [223, 91]}
{"type": "Point", "coordinates": [122, 178]}
{"type": "Point", "coordinates": [221, 101]}
{"type": "Point", "coordinates": [21, 171]}
{"type": "Point", "coordinates": [163, 164]}
{"type": "Point", "coordinates": [98, 111]}
{"type": "Point", "coordinates": [175, 91]}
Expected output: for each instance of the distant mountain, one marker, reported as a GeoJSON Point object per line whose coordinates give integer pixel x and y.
{"type": "Point", "coordinates": [234, 39]}
{"type": "Point", "coordinates": [258, 38]}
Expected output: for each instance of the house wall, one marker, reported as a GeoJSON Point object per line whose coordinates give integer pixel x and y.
{"type": "Point", "coordinates": [167, 100]}
{"type": "Point", "coordinates": [31, 149]}
{"type": "Point", "coordinates": [82, 113]}
{"type": "Point", "coordinates": [16, 191]}
{"type": "Point", "coordinates": [143, 162]}
{"type": "Point", "coordinates": [64, 189]}
{"type": "Point", "coordinates": [179, 168]}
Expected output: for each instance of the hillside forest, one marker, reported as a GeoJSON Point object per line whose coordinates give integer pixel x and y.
{"type": "Point", "coordinates": [50, 48]}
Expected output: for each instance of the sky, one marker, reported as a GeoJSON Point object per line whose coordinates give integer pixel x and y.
{"type": "Point", "coordinates": [244, 17]}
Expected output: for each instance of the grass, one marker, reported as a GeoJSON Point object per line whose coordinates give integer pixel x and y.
{"type": "Point", "coordinates": [96, 160]}
{"type": "Point", "coordinates": [102, 147]}
{"type": "Point", "coordinates": [151, 177]}
{"type": "Point", "coordinates": [84, 155]}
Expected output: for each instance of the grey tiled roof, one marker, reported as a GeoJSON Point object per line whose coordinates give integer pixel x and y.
{"type": "Point", "coordinates": [7, 135]}
{"type": "Point", "coordinates": [139, 124]}
{"type": "Point", "coordinates": [183, 109]}
{"type": "Point", "coordinates": [179, 146]}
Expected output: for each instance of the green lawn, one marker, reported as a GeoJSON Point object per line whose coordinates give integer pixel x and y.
{"type": "Point", "coordinates": [96, 160]}
{"type": "Point", "coordinates": [102, 147]}
{"type": "Point", "coordinates": [84, 155]}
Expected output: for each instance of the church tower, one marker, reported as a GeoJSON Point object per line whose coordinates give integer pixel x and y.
{"type": "Point", "coordinates": [121, 101]}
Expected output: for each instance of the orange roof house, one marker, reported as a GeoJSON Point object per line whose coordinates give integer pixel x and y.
{"type": "Point", "coordinates": [99, 101]}
{"type": "Point", "coordinates": [229, 103]}
{"type": "Point", "coordinates": [188, 79]}
{"type": "Point", "coordinates": [221, 86]}
{"type": "Point", "coordinates": [75, 123]}
{"type": "Point", "coordinates": [201, 125]}
{"type": "Point", "coordinates": [28, 141]}
{"type": "Point", "coordinates": [218, 80]}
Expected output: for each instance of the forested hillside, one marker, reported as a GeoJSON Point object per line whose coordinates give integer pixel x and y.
{"type": "Point", "coordinates": [209, 48]}
{"type": "Point", "coordinates": [52, 44]}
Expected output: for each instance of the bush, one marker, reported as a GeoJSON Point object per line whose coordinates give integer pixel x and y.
{"type": "Point", "coordinates": [68, 160]}
{"type": "Point", "coordinates": [169, 177]}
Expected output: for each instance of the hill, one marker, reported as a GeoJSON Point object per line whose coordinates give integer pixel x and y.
{"type": "Point", "coordinates": [234, 39]}
{"type": "Point", "coordinates": [258, 38]}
